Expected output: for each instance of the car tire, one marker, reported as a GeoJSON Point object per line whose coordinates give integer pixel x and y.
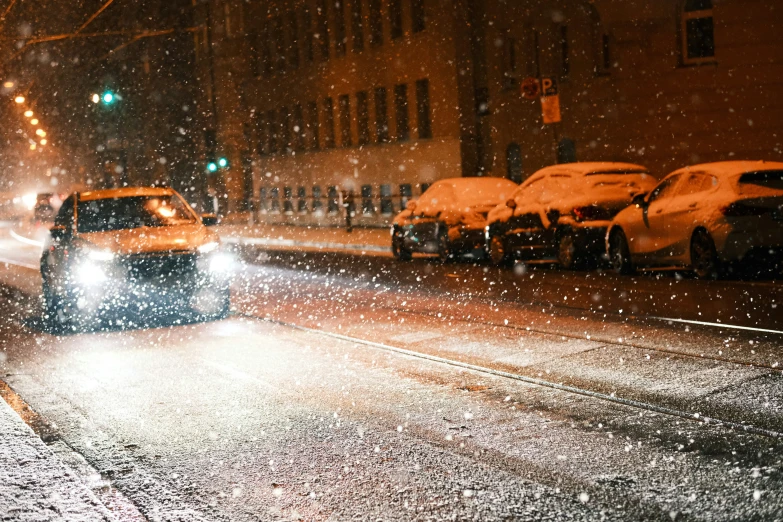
{"type": "Point", "coordinates": [497, 250]}
{"type": "Point", "coordinates": [704, 257]}
{"type": "Point", "coordinates": [619, 253]}
{"type": "Point", "coordinates": [399, 252]}
{"type": "Point", "coordinates": [445, 253]}
{"type": "Point", "coordinates": [567, 256]}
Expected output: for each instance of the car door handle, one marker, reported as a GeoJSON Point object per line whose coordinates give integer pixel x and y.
{"type": "Point", "coordinates": [659, 211]}
{"type": "Point", "coordinates": [693, 205]}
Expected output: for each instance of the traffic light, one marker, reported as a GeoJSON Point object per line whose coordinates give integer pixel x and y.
{"type": "Point", "coordinates": [212, 166]}
{"type": "Point", "coordinates": [108, 97]}
{"type": "Point", "coordinates": [223, 163]}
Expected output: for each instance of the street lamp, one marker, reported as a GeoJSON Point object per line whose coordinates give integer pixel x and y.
{"type": "Point", "coordinates": [34, 121]}
{"type": "Point", "coordinates": [96, 98]}
{"type": "Point", "coordinates": [40, 132]}
{"type": "Point", "coordinates": [19, 99]}
{"type": "Point", "coordinates": [28, 114]}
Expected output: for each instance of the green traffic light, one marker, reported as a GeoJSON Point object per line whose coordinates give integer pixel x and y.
{"type": "Point", "coordinates": [212, 166]}
{"type": "Point", "coordinates": [222, 162]}
{"type": "Point", "coordinates": [108, 98]}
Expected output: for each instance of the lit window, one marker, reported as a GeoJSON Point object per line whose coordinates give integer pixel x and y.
{"type": "Point", "coordinates": [698, 34]}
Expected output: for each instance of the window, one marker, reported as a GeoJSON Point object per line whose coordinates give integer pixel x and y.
{"type": "Point", "coordinates": [401, 112]}
{"type": "Point", "coordinates": [339, 28]}
{"type": "Point", "coordinates": [514, 162]}
{"type": "Point", "coordinates": [255, 41]}
{"type": "Point", "coordinates": [312, 114]}
{"type": "Point", "coordinates": [262, 138]}
{"type": "Point", "coordinates": [395, 18]}
{"type": "Point", "coordinates": [299, 131]}
{"type": "Point", "coordinates": [357, 26]}
{"type": "Point", "coordinates": [272, 132]}
{"type": "Point", "coordinates": [698, 35]}
{"type": "Point", "coordinates": [510, 72]}
{"type": "Point", "coordinates": [344, 103]}
{"type": "Point", "coordinates": [423, 109]}
{"type": "Point", "coordinates": [285, 131]}
{"type": "Point", "coordinates": [606, 52]}
{"type": "Point", "coordinates": [279, 43]}
{"type": "Point", "coordinates": [307, 27]}
{"type": "Point", "coordinates": [329, 124]}
{"type": "Point", "coordinates": [381, 116]}
{"type": "Point", "coordinates": [363, 117]}
{"type": "Point", "coordinates": [376, 24]}
{"type": "Point", "coordinates": [418, 18]}
{"type": "Point", "coordinates": [565, 53]}
{"type": "Point", "coordinates": [664, 188]}
{"type": "Point", "coordinates": [566, 151]}
{"type": "Point", "coordinates": [293, 40]}
{"type": "Point", "coordinates": [323, 29]}
{"type": "Point", "coordinates": [266, 45]}
{"type": "Point", "coordinates": [696, 183]}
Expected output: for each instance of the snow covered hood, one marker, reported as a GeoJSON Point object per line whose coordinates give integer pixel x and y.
{"type": "Point", "coordinates": [151, 239]}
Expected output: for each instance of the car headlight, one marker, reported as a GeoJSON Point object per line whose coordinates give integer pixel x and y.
{"type": "Point", "coordinates": [89, 273]}
{"type": "Point", "coordinates": [220, 263]}
{"type": "Point", "coordinates": [208, 247]}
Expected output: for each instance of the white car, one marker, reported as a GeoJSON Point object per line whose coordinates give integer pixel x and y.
{"type": "Point", "coordinates": [449, 218]}
{"type": "Point", "coordinates": [703, 217]}
{"type": "Point", "coordinates": [562, 212]}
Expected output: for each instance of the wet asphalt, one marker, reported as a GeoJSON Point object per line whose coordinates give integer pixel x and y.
{"type": "Point", "coordinates": [347, 387]}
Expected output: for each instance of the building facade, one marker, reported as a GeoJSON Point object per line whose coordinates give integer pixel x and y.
{"type": "Point", "coordinates": [382, 97]}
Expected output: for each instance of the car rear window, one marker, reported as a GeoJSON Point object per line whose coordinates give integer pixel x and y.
{"type": "Point", "coordinates": [102, 215]}
{"type": "Point", "coordinates": [765, 178]}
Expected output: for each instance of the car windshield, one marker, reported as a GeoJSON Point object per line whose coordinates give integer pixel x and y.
{"type": "Point", "coordinates": [102, 215]}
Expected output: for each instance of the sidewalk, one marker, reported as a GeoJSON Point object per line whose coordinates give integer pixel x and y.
{"type": "Point", "coordinates": [376, 241]}
{"type": "Point", "coordinates": [34, 485]}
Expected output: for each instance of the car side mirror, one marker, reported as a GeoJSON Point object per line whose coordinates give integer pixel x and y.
{"type": "Point", "coordinates": [640, 200]}
{"type": "Point", "coordinates": [410, 205]}
{"type": "Point", "coordinates": [511, 203]}
{"type": "Point", "coordinates": [209, 220]}
{"type": "Point", "coordinates": [58, 232]}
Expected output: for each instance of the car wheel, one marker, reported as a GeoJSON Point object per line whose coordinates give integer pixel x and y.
{"type": "Point", "coordinates": [619, 253]}
{"type": "Point", "coordinates": [566, 250]}
{"type": "Point", "coordinates": [399, 252]}
{"type": "Point", "coordinates": [444, 247]}
{"type": "Point", "coordinates": [497, 250]}
{"type": "Point", "coordinates": [704, 257]}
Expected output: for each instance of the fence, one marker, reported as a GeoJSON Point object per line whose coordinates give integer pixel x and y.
{"type": "Point", "coordinates": [369, 207]}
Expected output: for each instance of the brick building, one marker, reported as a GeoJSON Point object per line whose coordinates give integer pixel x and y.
{"type": "Point", "coordinates": [383, 96]}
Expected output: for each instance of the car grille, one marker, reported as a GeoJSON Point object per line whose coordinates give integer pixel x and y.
{"type": "Point", "coordinates": [160, 267]}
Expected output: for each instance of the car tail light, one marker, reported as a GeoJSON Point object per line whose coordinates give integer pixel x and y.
{"type": "Point", "coordinates": [591, 213]}
{"type": "Point", "coordinates": [741, 210]}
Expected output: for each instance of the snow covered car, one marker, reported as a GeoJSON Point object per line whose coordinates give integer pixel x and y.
{"type": "Point", "coordinates": [562, 212]}
{"type": "Point", "coordinates": [703, 217]}
{"type": "Point", "coordinates": [449, 218]}
{"type": "Point", "coordinates": [142, 247]}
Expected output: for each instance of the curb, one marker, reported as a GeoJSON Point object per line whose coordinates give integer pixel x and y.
{"type": "Point", "coordinates": [256, 241]}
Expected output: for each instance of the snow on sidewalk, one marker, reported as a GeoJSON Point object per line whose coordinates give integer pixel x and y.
{"type": "Point", "coordinates": [370, 240]}
{"type": "Point", "coordinates": [34, 485]}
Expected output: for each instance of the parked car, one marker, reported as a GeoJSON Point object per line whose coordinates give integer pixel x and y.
{"type": "Point", "coordinates": [562, 212]}
{"type": "Point", "coordinates": [703, 217]}
{"type": "Point", "coordinates": [449, 218]}
{"type": "Point", "coordinates": [142, 247]}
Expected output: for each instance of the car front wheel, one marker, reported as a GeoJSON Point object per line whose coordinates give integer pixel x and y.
{"type": "Point", "coordinates": [497, 250]}
{"type": "Point", "coordinates": [444, 247]}
{"type": "Point", "coordinates": [704, 257]}
{"type": "Point", "coordinates": [619, 253]}
{"type": "Point", "coordinates": [566, 250]}
{"type": "Point", "coordinates": [399, 251]}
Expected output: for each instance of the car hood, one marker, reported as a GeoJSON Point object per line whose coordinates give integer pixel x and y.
{"type": "Point", "coordinates": [151, 239]}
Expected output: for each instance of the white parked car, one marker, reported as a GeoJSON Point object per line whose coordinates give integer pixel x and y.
{"type": "Point", "coordinates": [562, 212]}
{"type": "Point", "coordinates": [703, 217]}
{"type": "Point", "coordinates": [449, 218]}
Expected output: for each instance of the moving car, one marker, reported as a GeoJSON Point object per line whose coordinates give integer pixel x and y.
{"type": "Point", "coordinates": [43, 210]}
{"type": "Point", "coordinates": [703, 217]}
{"type": "Point", "coordinates": [142, 247]}
{"type": "Point", "coordinates": [448, 219]}
{"type": "Point", "coordinates": [562, 212]}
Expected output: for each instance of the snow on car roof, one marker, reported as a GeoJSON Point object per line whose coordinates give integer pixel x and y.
{"type": "Point", "coordinates": [124, 192]}
{"type": "Point", "coordinates": [594, 167]}
{"type": "Point", "coordinates": [728, 169]}
{"type": "Point", "coordinates": [478, 190]}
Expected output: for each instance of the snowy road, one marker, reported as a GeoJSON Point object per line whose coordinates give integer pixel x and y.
{"type": "Point", "coordinates": [347, 387]}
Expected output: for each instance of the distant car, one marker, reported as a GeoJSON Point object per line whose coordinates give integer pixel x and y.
{"type": "Point", "coordinates": [43, 209]}
{"type": "Point", "coordinates": [704, 218]}
{"type": "Point", "coordinates": [449, 218]}
{"type": "Point", "coordinates": [136, 247]}
{"type": "Point", "coordinates": [562, 212]}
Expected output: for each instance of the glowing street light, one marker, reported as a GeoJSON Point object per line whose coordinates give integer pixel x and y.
{"type": "Point", "coordinates": [8, 85]}
{"type": "Point", "coordinates": [34, 121]}
{"type": "Point", "coordinates": [19, 99]}
{"type": "Point", "coordinates": [44, 142]}
{"type": "Point", "coordinates": [33, 146]}
{"type": "Point", "coordinates": [28, 114]}
{"type": "Point", "coordinates": [96, 98]}
{"type": "Point", "coordinates": [40, 132]}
